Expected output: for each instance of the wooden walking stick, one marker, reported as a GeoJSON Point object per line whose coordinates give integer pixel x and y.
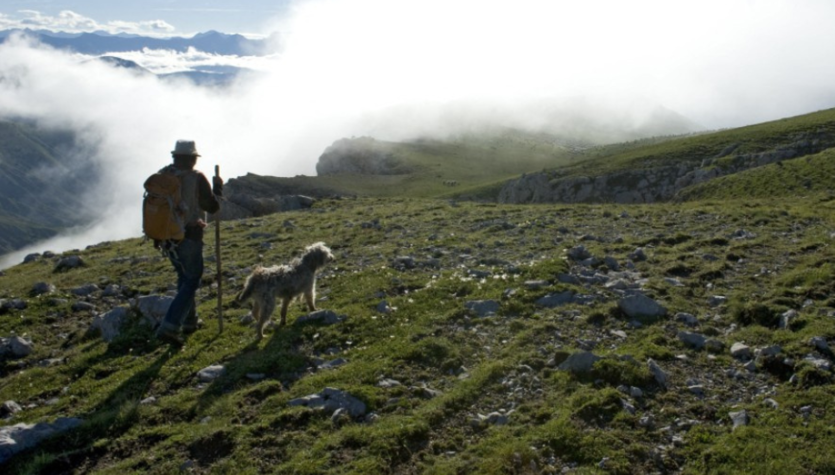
{"type": "Point", "coordinates": [217, 258]}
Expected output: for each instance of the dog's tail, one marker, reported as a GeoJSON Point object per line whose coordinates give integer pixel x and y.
{"type": "Point", "coordinates": [247, 291]}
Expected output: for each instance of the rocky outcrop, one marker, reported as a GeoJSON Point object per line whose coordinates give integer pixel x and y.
{"type": "Point", "coordinates": [360, 156]}
{"type": "Point", "coordinates": [246, 199]}
{"type": "Point", "coordinates": [649, 185]}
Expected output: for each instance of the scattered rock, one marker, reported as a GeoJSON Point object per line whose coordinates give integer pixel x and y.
{"type": "Point", "coordinates": [820, 343]}
{"type": "Point", "coordinates": [556, 300]}
{"type": "Point", "coordinates": [741, 351]}
{"type": "Point", "coordinates": [330, 400]}
{"type": "Point", "coordinates": [687, 319]}
{"type": "Point", "coordinates": [153, 307]}
{"type": "Point", "coordinates": [640, 306]}
{"type": "Point", "coordinates": [85, 290]}
{"type": "Point", "coordinates": [657, 373]}
{"type": "Point", "coordinates": [693, 340]}
{"type": "Point", "coordinates": [19, 437]}
{"type": "Point", "coordinates": [578, 253]}
{"type": "Point", "coordinates": [739, 418]}
{"type": "Point", "coordinates": [16, 347]}
{"type": "Point", "coordinates": [8, 408]}
{"type": "Point", "coordinates": [12, 304]}
{"type": "Point", "coordinates": [69, 263]}
{"type": "Point", "coordinates": [579, 363]}
{"type": "Point", "coordinates": [110, 324]}
{"type": "Point", "coordinates": [717, 300]}
{"type": "Point", "coordinates": [83, 307]}
{"type": "Point", "coordinates": [325, 317]}
{"type": "Point", "coordinates": [211, 373]}
{"type": "Point", "coordinates": [483, 308]}
{"type": "Point", "coordinates": [42, 288]}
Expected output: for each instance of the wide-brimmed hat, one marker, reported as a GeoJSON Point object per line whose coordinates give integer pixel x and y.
{"type": "Point", "coordinates": [185, 147]}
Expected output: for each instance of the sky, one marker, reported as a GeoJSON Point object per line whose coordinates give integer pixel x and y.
{"type": "Point", "coordinates": [399, 69]}
{"type": "Point", "coordinates": [151, 17]}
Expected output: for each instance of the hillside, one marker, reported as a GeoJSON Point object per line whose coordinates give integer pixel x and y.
{"type": "Point", "coordinates": [658, 172]}
{"type": "Point", "coordinates": [39, 192]}
{"type": "Point", "coordinates": [463, 338]}
{"type": "Point", "coordinates": [424, 168]}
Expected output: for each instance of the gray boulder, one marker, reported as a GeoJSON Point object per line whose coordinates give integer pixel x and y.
{"type": "Point", "coordinates": [556, 300]}
{"type": "Point", "coordinates": [19, 437]}
{"type": "Point", "coordinates": [659, 374]}
{"type": "Point", "coordinates": [69, 263]}
{"type": "Point", "coordinates": [693, 340]}
{"type": "Point", "coordinates": [8, 408]}
{"type": "Point", "coordinates": [483, 308]}
{"type": "Point", "coordinates": [110, 323]}
{"type": "Point", "coordinates": [739, 418]}
{"type": "Point", "coordinates": [13, 304]}
{"type": "Point", "coordinates": [331, 400]}
{"type": "Point", "coordinates": [85, 290]}
{"type": "Point", "coordinates": [153, 307]}
{"type": "Point", "coordinates": [42, 288]}
{"type": "Point", "coordinates": [211, 373]}
{"type": "Point", "coordinates": [325, 317]}
{"type": "Point", "coordinates": [639, 306]}
{"type": "Point", "coordinates": [741, 351]}
{"type": "Point", "coordinates": [15, 347]}
{"type": "Point", "coordinates": [579, 363]}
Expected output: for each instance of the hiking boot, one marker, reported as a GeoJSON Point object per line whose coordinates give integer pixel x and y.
{"type": "Point", "coordinates": [170, 338]}
{"type": "Point", "coordinates": [189, 329]}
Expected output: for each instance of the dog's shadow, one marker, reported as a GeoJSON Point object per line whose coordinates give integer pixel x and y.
{"type": "Point", "coordinates": [276, 357]}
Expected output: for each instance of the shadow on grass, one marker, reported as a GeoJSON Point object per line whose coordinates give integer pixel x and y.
{"type": "Point", "coordinates": [108, 420]}
{"type": "Point", "coordinates": [278, 359]}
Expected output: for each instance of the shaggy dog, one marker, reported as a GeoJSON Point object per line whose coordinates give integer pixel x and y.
{"type": "Point", "coordinates": [286, 282]}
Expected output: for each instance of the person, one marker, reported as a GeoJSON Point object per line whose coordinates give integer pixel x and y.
{"type": "Point", "coordinates": [187, 255]}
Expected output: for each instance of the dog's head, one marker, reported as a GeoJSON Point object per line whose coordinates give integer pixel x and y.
{"type": "Point", "coordinates": [317, 255]}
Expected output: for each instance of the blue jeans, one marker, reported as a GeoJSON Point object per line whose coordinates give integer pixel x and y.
{"type": "Point", "coordinates": [187, 258]}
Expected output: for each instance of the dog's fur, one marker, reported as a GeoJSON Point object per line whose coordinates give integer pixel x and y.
{"type": "Point", "coordinates": [286, 282]}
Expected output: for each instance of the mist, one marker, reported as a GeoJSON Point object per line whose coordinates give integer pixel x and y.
{"type": "Point", "coordinates": [405, 69]}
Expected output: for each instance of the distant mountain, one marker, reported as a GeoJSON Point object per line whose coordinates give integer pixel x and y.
{"type": "Point", "coordinates": [40, 192]}
{"type": "Point", "coordinates": [102, 43]}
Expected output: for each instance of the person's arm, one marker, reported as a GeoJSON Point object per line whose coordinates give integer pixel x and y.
{"type": "Point", "coordinates": [208, 201]}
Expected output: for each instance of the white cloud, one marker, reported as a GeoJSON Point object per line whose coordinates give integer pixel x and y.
{"type": "Point", "coordinates": [72, 22]}
{"type": "Point", "coordinates": [170, 61]}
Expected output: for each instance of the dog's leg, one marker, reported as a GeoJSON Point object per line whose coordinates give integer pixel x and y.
{"type": "Point", "coordinates": [266, 312]}
{"type": "Point", "coordinates": [284, 304]}
{"type": "Point", "coordinates": [309, 297]}
{"type": "Point", "coordinates": [256, 316]}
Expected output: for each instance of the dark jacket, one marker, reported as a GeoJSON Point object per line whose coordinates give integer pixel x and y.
{"type": "Point", "coordinates": [208, 203]}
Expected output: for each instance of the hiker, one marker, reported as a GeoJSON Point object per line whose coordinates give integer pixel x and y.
{"type": "Point", "coordinates": [187, 254]}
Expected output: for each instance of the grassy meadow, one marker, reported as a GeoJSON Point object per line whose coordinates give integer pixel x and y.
{"type": "Point", "coordinates": [449, 390]}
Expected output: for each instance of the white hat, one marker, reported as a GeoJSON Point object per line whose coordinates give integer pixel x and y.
{"type": "Point", "coordinates": [185, 147]}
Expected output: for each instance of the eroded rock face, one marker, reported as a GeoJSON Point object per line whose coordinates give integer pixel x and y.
{"type": "Point", "coordinates": [650, 185]}
{"type": "Point", "coordinates": [360, 156]}
{"type": "Point", "coordinates": [252, 196]}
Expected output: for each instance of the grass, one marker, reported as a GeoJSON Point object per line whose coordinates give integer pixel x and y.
{"type": "Point", "coordinates": [750, 238]}
{"type": "Point", "coordinates": [478, 365]}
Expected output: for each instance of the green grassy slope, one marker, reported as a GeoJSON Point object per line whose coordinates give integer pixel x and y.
{"type": "Point", "coordinates": [743, 140]}
{"type": "Point", "coordinates": [556, 421]}
{"type": "Point", "coordinates": [473, 161]}
{"type": "Point", "coordinates": [39, 194]}
{"type": "Point", "coordinates": [808, 175]}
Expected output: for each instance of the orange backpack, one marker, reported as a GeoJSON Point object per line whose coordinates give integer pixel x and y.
{"type": "Point", "coordinates": [163, 212]}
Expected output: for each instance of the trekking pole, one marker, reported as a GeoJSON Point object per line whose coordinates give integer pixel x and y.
{"type": "Point", "coordinates": [217, 258]}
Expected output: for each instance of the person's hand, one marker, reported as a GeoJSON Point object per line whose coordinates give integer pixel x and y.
{"type": "Point", "coordinates": [217, 186]}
